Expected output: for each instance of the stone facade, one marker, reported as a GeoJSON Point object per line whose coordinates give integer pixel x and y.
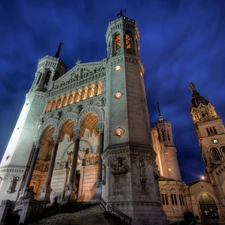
{"type": "Point", "coordinates": [84, 135]}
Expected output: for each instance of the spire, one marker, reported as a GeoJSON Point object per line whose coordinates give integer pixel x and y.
{"type": "Point", "coordinates": [160, 115]}
{"type": "Point", "coordinates": [120, 14]}
{"type": "Point", "coordinates": [196, 97]}
{"type": "Point", "coordinates": [58, 51]}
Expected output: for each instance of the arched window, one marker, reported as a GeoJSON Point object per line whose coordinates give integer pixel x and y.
{"type": "Point", "coordinates": [168, 135]}
{"type": "Point", "coordinates": [59, 103]}
{"type": "Point", "coordinates": [118, 41]}
{"type": "Point", "coordinates": [78, 95]}
{"type": "Point", "coordinates": [99, 88]}
{"type": "Point", "coordinates": [127, 41]}
{"type": "Point", "coordinates": [214, 129]}
{"type": "Point", "coordinates": [57, 75]}
{"type": "Point", "coordinates": [65, 100]}
{"type": "Point", "coordinates": [223, 149]}
{"type": "Point", "coordinates": [208, 206]}
{"type": "Point", "coordinates": [215, 154]}
{"type": "Point", "coordinates": [39, 78]}
{"type": "Point", "coordinates": [91, 91]}
{"type": "Point", "coordinates": [84, 93]}
{"type": "Point", "coordinates": [173, 197]}
{"type": "Point", "coordinates": [47, 77]}
{"type": "Point", "coordinates": [71, 100]}
{"type": "Point", "coordinates": [163, 135]}
{"type": "Point", "coordinates": [159, 138]}
{"type": "Point", "coordinates": [49, 106]}
{"type": "Point", "coordinates": [164, 197]}
{"type": "Point", "coordinates": [54, 104]}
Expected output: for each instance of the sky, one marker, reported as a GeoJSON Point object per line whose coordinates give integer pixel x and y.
{"type": "Point", "coordinates": [181, 41]}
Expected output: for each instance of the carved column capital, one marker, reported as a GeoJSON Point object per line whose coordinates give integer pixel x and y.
{"type": "Point", "coordinates": [76, 132]}
{"type": "Point", "coordinates": [100, 127]}
{"type": "Point", "coordinates": [55, 137]}
{"type": "Point", "coordinates": [36, 142]}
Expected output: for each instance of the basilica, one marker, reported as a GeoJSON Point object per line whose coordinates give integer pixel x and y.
{"type": "Point", "coordinates": [84, 135]}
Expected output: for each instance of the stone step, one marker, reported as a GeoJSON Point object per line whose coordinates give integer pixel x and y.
{"type": "Point", "coordinates": [81, 214]}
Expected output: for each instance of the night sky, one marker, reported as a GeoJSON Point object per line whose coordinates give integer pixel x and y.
{"type": "Point", "coordinates": [181, 41]}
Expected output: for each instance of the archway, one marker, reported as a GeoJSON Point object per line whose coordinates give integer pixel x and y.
{"type": "Point", "coordinates": [208, 207]}
{"type": "Point", "coordinates": [46, 144]}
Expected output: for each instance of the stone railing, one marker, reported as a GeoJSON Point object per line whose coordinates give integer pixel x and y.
{"type": "Point", "coordinates": [116, 212]}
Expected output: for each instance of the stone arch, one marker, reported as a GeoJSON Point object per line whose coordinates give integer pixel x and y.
{"type": "Point", "coordinates": [208, 205]}
{"type": "Point", "coordinates": [92, 109]}
{"type": "Point", "coordinates": [50, 122]}
{"type": "Point", "coordinates": [67, 116]}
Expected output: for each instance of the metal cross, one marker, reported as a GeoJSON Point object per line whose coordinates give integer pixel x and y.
{"type": "Point", "coordinates": [120, 14]}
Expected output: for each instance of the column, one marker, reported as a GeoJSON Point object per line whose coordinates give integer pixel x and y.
{"type": "Point", "coordinates": [70, 189]}
{"type": "Point", "coordinates": [98, 184]}
{"type": "Point", "coordinates": [46, 190]}
{"type": "Point", "coordinates": [26, 192]}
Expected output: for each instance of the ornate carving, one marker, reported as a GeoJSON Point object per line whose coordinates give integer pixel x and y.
{"type": "Point", "coordinates": [12, 184]}
{"type": "Point", "coordinates": [41, 166]}
{"type": "Point", "coordinates": [119, 166]}
{"type": "Point", "coordinates": [141, 163]}
{"type": "Point", "coordinates": [59, 165]}
{"type": "Point", "coordinates": [92, 159]}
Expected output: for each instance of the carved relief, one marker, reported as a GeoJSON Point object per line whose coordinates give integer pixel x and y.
{"type": "Point", "coordinates": [60, 165]}
{"type": "Point", "coordinates": [91, 159]}
{"type": "Point", "coordinates": [119, 166]}
{"type": "Point", "coordinates": [12, 184]}
{"type": "Point", "coordinates": [41, 166]}
{"type": "Point", "coordinates": [141, 163]}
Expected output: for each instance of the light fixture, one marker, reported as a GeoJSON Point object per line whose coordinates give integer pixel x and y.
{"type": "Point", "coordinates": [117, 67]}
{"type": "Point", "coordinates": [118, 95]}
{"type": "Point", "coordinates": [119, 132]}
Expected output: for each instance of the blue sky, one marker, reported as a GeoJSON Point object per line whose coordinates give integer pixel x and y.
{"type": "Point", "coordinates": [181, 41]}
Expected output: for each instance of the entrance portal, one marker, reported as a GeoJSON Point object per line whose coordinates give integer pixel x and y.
{"type": "Point", "coordinates": [208, 207]}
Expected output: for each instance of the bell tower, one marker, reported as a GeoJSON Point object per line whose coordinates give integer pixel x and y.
{"type": "Point", "coordinates": [167, 155]}
{"type": "Point", "coordinates": [210, 131]}
{"type": "Point", "coordinates": [129, 170]}
{"type": "Point", "coordinates": [20, 147]}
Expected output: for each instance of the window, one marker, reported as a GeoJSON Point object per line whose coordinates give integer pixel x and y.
{"type": "Point", "coordinates": [47, 77]}
{"type": "Point", "coordinates": [91, 90]}
{"type": "Point", "coordinates": [39, 78]}
{"type": "Point", "coordinates": [128, 41]}
{"type": "Point", "coordinates": [214, 130]}
{"type": "Point", "coordinates": [215, 154]}
{"type": "Point", "coordinates": [118, 41]}
{"type": "Point", "coordinates": [56, 76]}
{"type": "Point", "coordinates": [99, 88]}
{"type": "Point", "coordinates": [223, 149]}
{"type": "Point", "coordinates": [181, 199]}
{"type": "Point", "coordinates": [163, 135]}
{"type": "Point", "coordinates": [174, 199]}
{"type": "Point", "coordinates": [164, 199]}
{"type": "Point", "coordinates": [84, 93]}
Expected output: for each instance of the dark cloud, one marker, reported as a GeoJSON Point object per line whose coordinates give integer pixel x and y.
{"type": "Point", "coordinates": [181, 41]}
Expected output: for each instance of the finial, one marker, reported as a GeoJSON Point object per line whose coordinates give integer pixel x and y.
{"type": "Point", "coordinates": [192, 86]}
{"type": "Point", "coordinates": [160, 115]}
{"type": "Point", "coordinates": [58, 51]}
{"type": "Point", "coordinates": [78, 62]}
{"type": "Point", "coordinates": [120, 14]}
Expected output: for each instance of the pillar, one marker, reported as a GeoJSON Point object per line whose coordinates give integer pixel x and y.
{"type": "Point", "coordinates": [70, 189]}
{"type": "Point", "coordinates": [26, 192]}
{"type": "Point", "coordinates": [98, 184]}
{"type": "Point", "coordinates": [46, 190]}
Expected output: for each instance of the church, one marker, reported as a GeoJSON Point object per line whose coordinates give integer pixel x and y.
{"type": "Point", "coordinates": [84, 135]}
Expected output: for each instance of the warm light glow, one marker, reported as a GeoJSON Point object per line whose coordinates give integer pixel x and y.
{"type": "Point", "coordinates": [119, 132]}
{"type": "Point", "coordinates": [117, 68]}
{"type": "Point", "coordinates": [118, 95]}
{"type": "Point", "coordinates": [128, 41]}
{"type": "Point", "coordinates": [118, 44]}
{"type": "Point", "coordinates": [170, 169]}
{"type": "Point", "coordinates": [202, 178]}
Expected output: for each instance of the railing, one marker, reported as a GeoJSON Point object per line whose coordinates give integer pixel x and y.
{"type": "Point", "coordinates": [53, 212]}
{"type": "Point", "coordinates": [116, 212]}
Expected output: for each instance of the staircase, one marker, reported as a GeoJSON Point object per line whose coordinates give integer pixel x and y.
{"type": "Point", "coordinates": [81, 214]}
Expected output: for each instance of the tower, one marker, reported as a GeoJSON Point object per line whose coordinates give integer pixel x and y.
{"type": "Point", "coordinates": [210, 131]}
{"type": "Point", "coordinates": [166, 153]}
{"type": "Point", "coordinates": [19, 151]}
{"type": "Point", "coordinates": [130, 173]}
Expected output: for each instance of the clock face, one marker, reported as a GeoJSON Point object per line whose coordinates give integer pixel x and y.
{"type": "Point", "coordinates": [215, 141]}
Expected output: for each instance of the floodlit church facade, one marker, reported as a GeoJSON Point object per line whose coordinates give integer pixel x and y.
{"type": "Point", "coordinates": [84, 135]}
